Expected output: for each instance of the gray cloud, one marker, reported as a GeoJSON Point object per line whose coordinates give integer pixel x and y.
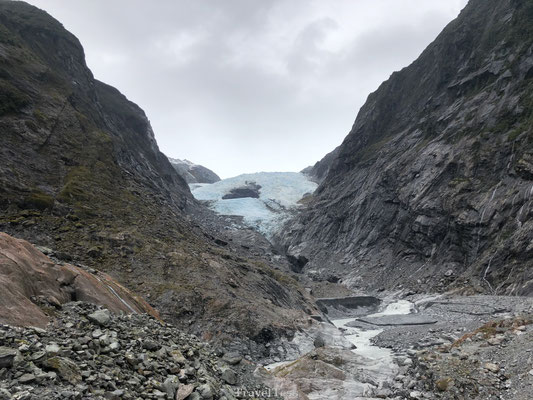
{"type": "Point", "coordinates": [249, 85]}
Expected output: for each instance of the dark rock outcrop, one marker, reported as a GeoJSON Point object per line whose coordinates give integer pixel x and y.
{"type": "Point", "coordinates": [432, 187]}
{"type": "Point", "coordinates": [81, 174]}
{"type": "Point", "coordinates": [344, 307]}
{"type": "Point", "coordinates": [250, 190]}
{"type": "Point", "coordinates": [193, 173]}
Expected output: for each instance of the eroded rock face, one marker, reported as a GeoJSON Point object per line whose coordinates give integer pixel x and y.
{"type": "Point", "coordinates": [432, 187]}
{"type": "Point", "coordinates": [29, 281]}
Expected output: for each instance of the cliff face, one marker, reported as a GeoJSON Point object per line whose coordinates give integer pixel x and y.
{"type": "Point", "coordinates": [81, 173]}
{"type": "Point", "coordinates": [319, 171]}
{"type": "Point", "coordinates": [432, 188]}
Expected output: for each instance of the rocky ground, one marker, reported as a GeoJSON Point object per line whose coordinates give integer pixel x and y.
{"type": "Point", "coordinates": [89, 353]}
{"type": "Point", "coordinates": [447, 347]}
{"type": "Point", "coordinates": [481, 347]}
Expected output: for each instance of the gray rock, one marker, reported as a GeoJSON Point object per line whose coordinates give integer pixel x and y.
{"type": "Point", "coordinates": [205, 391]}
{"type": "Point", "coordinates": [114, 395]}
{"type": "Point", "coordinates": [413, 196]}
{"type": "Point", "coordinates": [193, 173]}
{"type": "Point", "coordinates": [7, 357]}
{"type": "Point", "coordinates": [229, 376]}
{"type": "Point", "coordinates": [232, 358]}
{"type": "Point", "coordinates": [100, 317]}
{"type": "Point", "coordinates": [184, 391]}
{"type": "Point", "coordinates": [492, 367]}
{"type": "Point", "coordinates": [5, 394]}
{"type": "Point", "coordinates": [26, 378]}
{"type": "Point", "coordinates": [67, 369]}
{"type": "Point", "coordinates": [52, 349]}
{"type": "Point", "coordinates": [171, 386]}
{"type": "Point", "coordinates": [150, 345]}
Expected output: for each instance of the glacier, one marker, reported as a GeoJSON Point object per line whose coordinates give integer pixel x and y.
{"type": "Point", "coordinates": [279, 196]}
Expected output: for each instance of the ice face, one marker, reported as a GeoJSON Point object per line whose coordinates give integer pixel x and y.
{"type": "Point", "coordinates": [279, 194]}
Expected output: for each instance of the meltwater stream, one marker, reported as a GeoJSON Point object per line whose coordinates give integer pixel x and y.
{"type": "Point", "coordinates": [362, 338]}
{"type": "Point", "coordinates": [337, 371]}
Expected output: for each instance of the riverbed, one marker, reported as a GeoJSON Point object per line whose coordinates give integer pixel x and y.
{"type": "Point", "coordinates": [356, 369]}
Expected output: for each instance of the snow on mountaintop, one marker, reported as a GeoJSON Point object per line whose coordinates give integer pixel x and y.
{"type": "Point", "coordinates": [279, 193]}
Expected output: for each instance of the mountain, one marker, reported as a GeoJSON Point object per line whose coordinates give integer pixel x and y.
{"type": "Point", "coordinates": [320, 170]}
{"type": "Point", "coordinates": [432, 188]}
{"type": "Point", "coordinates": [193, 173]}
{"type": "Point", "coordinates": [81, 174]}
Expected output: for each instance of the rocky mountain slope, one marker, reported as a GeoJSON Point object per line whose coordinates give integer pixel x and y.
{"type": "Point", "coordinates": [432, 188]}
{"type": "Point", "coordinates": [81, 174]}
{"type": "Point", "coordinates": [193, 173]}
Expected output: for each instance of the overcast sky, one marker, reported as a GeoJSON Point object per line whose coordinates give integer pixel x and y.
{"type": "Point", "coordinates": [250, 85]}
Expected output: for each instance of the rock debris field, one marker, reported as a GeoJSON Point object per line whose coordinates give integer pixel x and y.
{"type": "Point", "coordinates": [89, 353]}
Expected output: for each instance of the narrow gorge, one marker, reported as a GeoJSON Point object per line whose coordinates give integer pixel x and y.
{"type": "Point", "coordinates": [397, 267]}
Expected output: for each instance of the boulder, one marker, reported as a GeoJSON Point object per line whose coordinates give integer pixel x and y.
{"type": "Point", "coordinates": [229, 376]}
{"type": "Point", "coordinates": [232, 358]}
{"type": "Point", "coordinates": [171, 386]}
{"type": "Point", "coordinates": [100, 317]}
{"type": "Point", "coordinates": [7, 357]}
{"type": "Point", "coordinates": [66, 369]}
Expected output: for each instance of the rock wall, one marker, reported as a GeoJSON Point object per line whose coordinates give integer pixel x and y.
{"type": "Point", "coordinates": [432, 188]}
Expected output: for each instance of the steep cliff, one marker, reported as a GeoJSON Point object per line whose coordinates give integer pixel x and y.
{"type": "Point", "coordinates": [319, 171]}
{"type": "Point", "coordinates": [81, 173]}
{"type": "Point", "coordinates": [432, 188]}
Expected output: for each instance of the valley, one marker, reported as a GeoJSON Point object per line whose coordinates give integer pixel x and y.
{"type": "Point", "coordinates": [397, 267]}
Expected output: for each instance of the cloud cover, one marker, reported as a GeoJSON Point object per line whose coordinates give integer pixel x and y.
{"type": "Point", "coordinates": [250, 85]}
